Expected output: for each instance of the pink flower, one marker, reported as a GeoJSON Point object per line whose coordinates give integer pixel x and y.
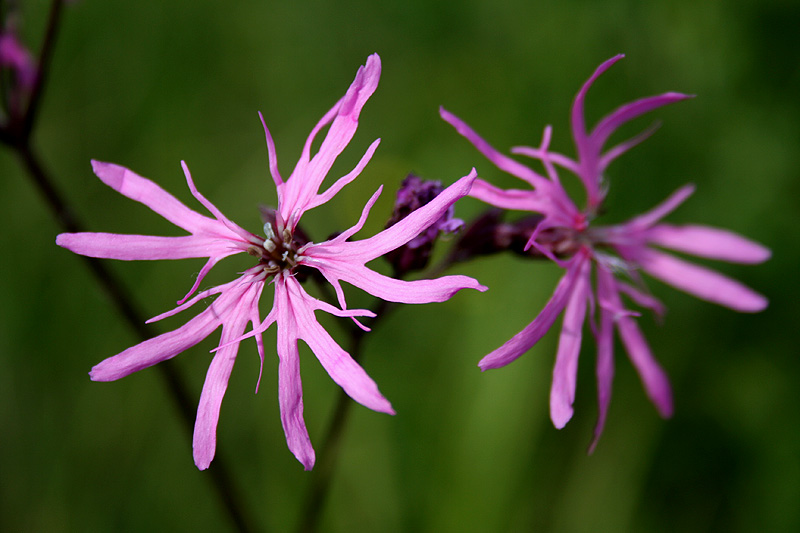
{"type": "Point", "coordinates": [17, 57]}
{"type": "Point", "coordinates": [278, 255]}
{"type": "Point", "coordinates": [567, 235]}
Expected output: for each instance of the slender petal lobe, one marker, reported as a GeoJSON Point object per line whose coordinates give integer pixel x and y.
{"type": "Point", "coordinates": [525, 339]}
{"type": "Point", "coordinates": [701, 282]}
{"type": "Point", "coordinates": [565, 373]}
{"type": "Point", "coordinates": [713, 243]}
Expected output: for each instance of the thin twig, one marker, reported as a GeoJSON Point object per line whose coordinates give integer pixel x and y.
{"type": "Point", "coordinates": [321, 476]}
{"type": "Point", "coordinates": [45, 56]}
{"type": "Point", "coordinates": [16, 135]}
{"type": "Point", "coordinates": [121, 298]}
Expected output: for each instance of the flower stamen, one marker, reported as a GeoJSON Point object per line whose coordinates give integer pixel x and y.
{"type": "Point", "coordinates": [276, 255]}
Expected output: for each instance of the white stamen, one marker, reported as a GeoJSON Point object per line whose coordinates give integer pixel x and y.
{"type": "Point", "coordinates": [269, 232]}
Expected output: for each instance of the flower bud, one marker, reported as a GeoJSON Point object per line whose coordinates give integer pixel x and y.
{"type": "Point", "coordinates": [414, 193]}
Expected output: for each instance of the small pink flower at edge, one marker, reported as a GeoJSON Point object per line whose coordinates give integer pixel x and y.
{"type": "Point", "coordinates": [613, 252]}
{"type": "Point", "coordinates": [18, 58]}
{"type": "Point", "coordinates": [278, 254]}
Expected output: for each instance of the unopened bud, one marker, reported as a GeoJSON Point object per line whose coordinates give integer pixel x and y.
{"type": "Point", "coordinates": [414, 193]}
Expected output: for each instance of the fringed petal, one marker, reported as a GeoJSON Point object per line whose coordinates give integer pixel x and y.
{"type": "Point", "coordinates": [704, 241]}
{"type": "Point", "coordinates": [701, 282]}
{"type": "Point", "coordinates": [290, 386]}
{"type": "Point", "coordinates": [204, 441]}
{"type": "Point", "coordinates": [399, 234]}
{"type": "Point", "coordinates": [142, 190]}
{"type": "Point", "coordinates": [565, 372]}
{"type": "Point", "coordinates": [337, 363]}
{"type": "Point", "coordinates": [145, 247]}
{"type": "Point", "coordinates": [530, 335]}
{"type": "Point", "coordinates": [503, 162]}
{"type": "Point", "coordinates": [395, 290]}
{"type": "Point", "coordinates": [605, 352]}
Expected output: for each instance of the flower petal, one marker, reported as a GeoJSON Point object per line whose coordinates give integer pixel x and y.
{"type": "Point", "coordinates": [653, 377]}
{"type": "Point", "coordinates": [641, 298]}
{"type": "Point", "coordinates": [336, 362]}
{"type": "Point", "coordinates": [565, 372]}
{"type": "Point", "coordinates": [544, 155]}
{"type": "Point", "coordinates": [205, 428]}
{"type": "Point", "coordinates": [666, 207]}
{"type": "Point", "coordinates": [204, 440]}
{"type": "Point", "coordinates": [501, 161]}
{"type": "Point", "coordinates": [271, 155]}
{"type": "Point", "coordinates": [14, 55]}
{"type": "Point", "coordinates": [605, 374]}
{"type": "Point", "coordinates": [530, 335]}
{"type": "Point", "coordinates": [145, 247]}
{"type": "Point", "coordinates": [612, 153]}
{"type": "Point", "coordinates": [588, 151]}
{"type": "Point", "coordinates": [400, 233]}
{"type": "Point", "coordinates": [302, 187]}
{"type": "Point", "coordinates": [577, 121]}
{"type": "Point", "coordinates": [395, 290]}
{"type": "Point", "coordinates": [157, 349]}
{"type": "Point", "coordinates": [518, 199]}
{"type": "Point", "coordinates": [142, 190]}
{"type": "Point", "coordinates": [628, 112]}
{"type": "Point", "coordinates": [701, 282]}
{"type": "Point", "coordinates": [290, 386]}
{"type": "Point", "coordinates": [237, 233]}
{"type": "Point", "coordinates": [344, 370]}
{"type": "Point", "coordinates": [341, 182]}
{"type": "Point", "coordinates": [186, 304]}
{"type": "Point", "coordinates": [704, 241]}
{"type": "Point", "coordinates": [655, 380]}
{"type": "Point", "coordinates": [346, 234]}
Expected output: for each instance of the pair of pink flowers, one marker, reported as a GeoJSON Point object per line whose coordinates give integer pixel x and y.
{"type": "Point", "coordinates": [580, 248]}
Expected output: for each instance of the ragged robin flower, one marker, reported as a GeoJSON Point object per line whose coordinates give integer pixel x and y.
{"type": "Point", "coordinates": [617, 254]}
{"type": "Point", "coordinates": [277, 254]}
{"type": "Point", "coordinates": [17, 58]}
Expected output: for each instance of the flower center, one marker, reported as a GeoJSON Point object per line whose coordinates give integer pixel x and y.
{"type": "Point", "coordinates": [278, 253]}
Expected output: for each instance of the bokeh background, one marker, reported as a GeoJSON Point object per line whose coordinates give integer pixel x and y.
{"type": "Point", "coordinates": [146, 84]}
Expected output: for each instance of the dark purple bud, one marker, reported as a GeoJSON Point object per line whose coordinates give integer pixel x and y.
{"type": "Point", "coordinates": [413, 193]}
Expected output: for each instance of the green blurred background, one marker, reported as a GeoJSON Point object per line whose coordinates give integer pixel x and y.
{"type": "Point", "coordinates": [146, 84]}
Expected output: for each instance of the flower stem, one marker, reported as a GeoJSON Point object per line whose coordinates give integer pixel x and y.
{"type": "Point", "coordinates": [16, 134]}
{"type": "Point", "coordinates": [120, 297]}
{"type": "Point", "coordinates": [322, 475]}
{"type": "Point", "coordinates": [45, 56]}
